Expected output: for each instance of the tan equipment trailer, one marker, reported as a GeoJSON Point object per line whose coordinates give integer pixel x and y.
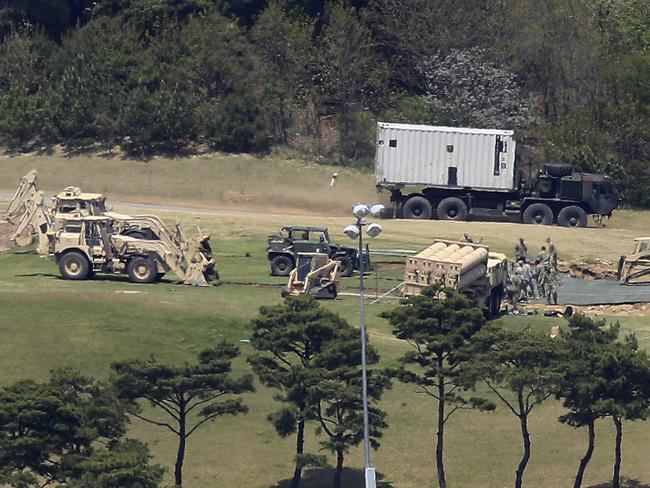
{"type": "Point", "coordinates": [635, 268]}
{"type": "Point", "coordinates": [470, 268]}
{"type": "Point", "coordinates": [85, 245]}
{"type": "Point", "coordinates": [315, 274]}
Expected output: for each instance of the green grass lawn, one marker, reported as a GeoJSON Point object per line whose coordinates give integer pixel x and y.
{"type": "Point", "coordinates": [48, 323]}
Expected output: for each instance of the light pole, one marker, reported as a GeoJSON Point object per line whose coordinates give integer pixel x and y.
{"type": "Point", "coordinates": [355, 231]}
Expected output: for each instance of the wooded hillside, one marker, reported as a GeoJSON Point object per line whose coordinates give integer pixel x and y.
{"type": "Point", "coordinates": [572, 77]}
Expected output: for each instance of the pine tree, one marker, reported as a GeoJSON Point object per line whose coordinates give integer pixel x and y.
{"type": "Point", "coordinates": [438, 325]}
{"type": "Point", "coordinates": [519, 363]}
{"type": "Point", "coordinates": [189, 395]}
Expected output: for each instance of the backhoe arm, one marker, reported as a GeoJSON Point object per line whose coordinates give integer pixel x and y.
{"type": "Point", "coordinates": [35, 220]}
{"type": "Point", "coordinates": [27, 189]}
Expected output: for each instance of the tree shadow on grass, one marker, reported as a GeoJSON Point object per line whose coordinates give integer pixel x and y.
{"type": "Point", "coordinates": [625, 483]}
{"type": "Point", "coordinates": [324, 478]}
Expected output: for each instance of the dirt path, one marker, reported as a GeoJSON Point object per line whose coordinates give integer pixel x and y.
{"type": "Point", "coordinates": [177, 208]}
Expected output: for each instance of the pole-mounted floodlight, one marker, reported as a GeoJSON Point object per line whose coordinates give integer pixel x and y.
{"type": "Point", "coordinates": [374, 230]}
{"type": "Point", "coordinates": [353, 231]}
{"type": "Point", "coordinates": [376, 210]}
{"type": "Point", "coordinates": [360, 210]}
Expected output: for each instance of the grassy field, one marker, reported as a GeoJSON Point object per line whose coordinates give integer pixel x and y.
{"type": "Point", "coordinates": [48, 323]}
{"type": "Point", "coordinates": [226, 181]}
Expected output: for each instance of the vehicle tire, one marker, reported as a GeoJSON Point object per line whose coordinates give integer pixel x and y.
{"type": "Point", "coordinates": [346, 267]}
{"type": "Point", "coordinates": [558, 170]}
{"type": "Point", "coordinates": [452, 208]}
{"type": "Point", "coordinates": [417, 208]}
{"type": "Point", "coordinates": [74, 265]}
{"type": "Point", "coordinates": [142, 269]}
{"type": "Point", "coordinates": [572, 216]}
{"type": "Point", "coordinates": [538, 213]}
{"type": "Point", "coordinates": [281, 265]}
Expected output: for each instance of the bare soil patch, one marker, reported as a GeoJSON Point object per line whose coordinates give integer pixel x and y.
{"type": "Point", "coordinates": [589, 269]}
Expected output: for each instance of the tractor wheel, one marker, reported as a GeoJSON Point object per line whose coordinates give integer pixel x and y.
{"type": "Point", "coordinates": [452, 208]}
{"type": "Point", "coordinates": [74, 265]}
{"type": "Point", "coordinates": [281, 265]}
{"type": "Point", "coordinates": [538, 213]}
{"type": "Point", "coordinates": [142, 269]}
{"type": "Point", "coordinates": [346, 267]}
{"type": "Point", "coordinates": [417, 208]}
{"type": "Point", "coordinates": [572, 216]}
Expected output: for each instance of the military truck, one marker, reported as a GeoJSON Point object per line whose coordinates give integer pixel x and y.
{"type": "Point", "coordinates": [467, 267]}
{"type": "Point", "coordinates": [283, 249]}
{"type": "Point", "coordinates": [452, 173]}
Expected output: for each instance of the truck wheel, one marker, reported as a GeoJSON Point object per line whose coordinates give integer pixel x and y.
{"type": "Point", "coordinates": [74, 266]}
{"type": "Point", "coordinates": [538, 213]}
{"type": "Point", "coordinates": [572, 216]}
{"type": "Point", "coordinates": [281, 265]}
{"type": "Point", "coordinates": [346, 267]}
{"type": "Point", "coordinates": [452, 208]}
{"type": "Point", "coordinates": [418, 208]}
{"type": "Point", "coordinates": [142, 269]}
{"type": "Point", "coordinates": [558, 170]}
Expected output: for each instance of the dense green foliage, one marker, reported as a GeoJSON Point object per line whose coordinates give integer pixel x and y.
{"type": "Point", "coordinates": [69, 432]}
{"type": "Point", "coordinates": [247, 75]}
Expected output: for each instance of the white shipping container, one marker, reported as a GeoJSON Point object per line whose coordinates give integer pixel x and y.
{"type": "Point", "coordinates": [445, 157]}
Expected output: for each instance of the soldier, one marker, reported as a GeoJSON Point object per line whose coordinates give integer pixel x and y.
{"type": "Point", "coordinates": [521, 251]}
{"type": "Point", "coordinates": [513, 285]}
{"type": "Point", "coordinates": [542, 277]}
{"type": "Point", "coordinates": [529, 280]}
{"type": "Point", "coordinates": [551, 286]}
{"type": "Point", "coordinates": [552, 252]}
{"type": "Point", "coordinates": [467, 237]}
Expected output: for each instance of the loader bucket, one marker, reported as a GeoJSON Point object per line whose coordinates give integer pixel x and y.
{"type": "Point", "coordinates": [202, 270]}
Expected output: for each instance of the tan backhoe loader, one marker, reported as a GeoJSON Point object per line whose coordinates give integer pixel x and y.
{"type": "Point", "coordinates": [315, 274]}
{"type": "Point", "coordinates": [86, 245]}
{"type": "Point", "coordinates": [28, 216]}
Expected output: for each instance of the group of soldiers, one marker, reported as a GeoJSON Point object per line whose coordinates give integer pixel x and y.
{"type": "Point", "coordinates": [531, 278]}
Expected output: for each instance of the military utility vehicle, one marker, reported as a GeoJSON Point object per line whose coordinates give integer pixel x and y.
{"type": "Point", "coordinates": [283, 249]}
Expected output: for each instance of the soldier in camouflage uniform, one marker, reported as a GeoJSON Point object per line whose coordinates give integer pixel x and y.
{"type": "Point", "coordinates": [550, 288]}
{"type": "Point", "coordinates": [552, 252]}
{"type": "Point", "coordinates": [521, 251]}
